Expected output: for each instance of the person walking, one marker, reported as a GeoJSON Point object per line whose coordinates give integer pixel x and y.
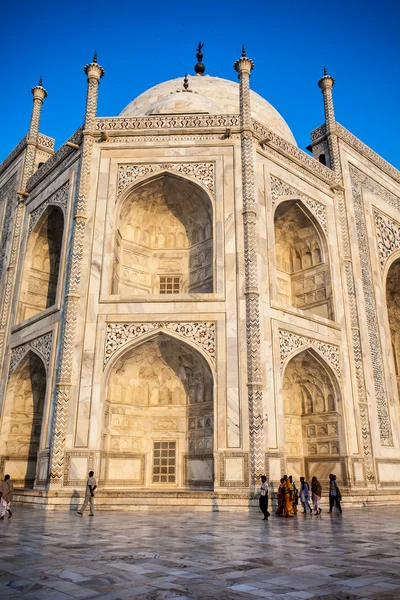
{"type": "Point", "coordinates": [6, 496]}
{"type": "Point", "coordinates": [334, 494]}
{"type": "Point", "coordinates": [280, 497]}
{"type": "Point", "coordinates": [89, 495]}
{"type": "Point", "coordinates": [288, 506]}
{"type": "Point", "coordinates": [305, 495]}
{"type": "Point", "coordinates": [316, 493]}
{"type": "Point", "coordinates": [264, 497]}
{"type": "Point", "coordinates": [295, 495]}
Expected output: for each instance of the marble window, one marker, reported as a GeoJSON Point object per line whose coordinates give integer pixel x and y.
{"type": "Point", "coordinates": [170, 285]}
{"type": "Point", "coordinates": [41, 265]}
{"type": "Point", "coordinates": [164, 462]}
{"type": "Point", "coordinates": [302, 263]}
{"type": "Point", "coordinates": [164, 228]}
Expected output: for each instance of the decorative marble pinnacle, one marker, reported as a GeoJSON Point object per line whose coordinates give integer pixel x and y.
{"type": "Point", "coordinates": [38, 91]}
{"type": "Point", "coordinates": [93, 69]}
{"type": "Point", "coordinates": [243, 63]}
{"type": "Point", "coordinates": [326, 80]}
{"type": "Point", "coordinates": [199, 68]}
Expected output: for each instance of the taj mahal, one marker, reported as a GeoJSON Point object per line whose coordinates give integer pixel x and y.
{"type": "Point", "coordinates": [188, 301]}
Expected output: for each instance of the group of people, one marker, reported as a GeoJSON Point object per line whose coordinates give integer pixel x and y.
{"type": "Point", "coordinates": [288, 496]}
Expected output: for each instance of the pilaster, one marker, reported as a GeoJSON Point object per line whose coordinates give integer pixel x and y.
{"type": "Point", "coordinates": [73, 287]}
{"type": "Point", "coordinates": [253, 335]}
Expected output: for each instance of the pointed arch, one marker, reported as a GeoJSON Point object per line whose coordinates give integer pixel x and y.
{"type": "Point", "coordinates": [159, 391]}
{"type": "Point", "coordinates": [22, 417]}
{"type": "Point", "coordinates": [164, 237]}
{"type": "Point", "coordinates": [41, 265]}
{"type": "Point", "coordinates": [302, 259]}
{"type": "Point", "coordinates": [392, 294]}
{"type": "Point", "coordinates": [310, 396]}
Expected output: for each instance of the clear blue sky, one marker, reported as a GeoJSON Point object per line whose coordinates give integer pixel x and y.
{"type": "Point", "coordinates": [143, 43]}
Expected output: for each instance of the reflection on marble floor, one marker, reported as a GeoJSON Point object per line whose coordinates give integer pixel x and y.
{"type": "Point", "coordinates": [159, 555]}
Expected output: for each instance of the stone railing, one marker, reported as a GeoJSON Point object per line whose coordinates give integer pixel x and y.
{"type": "Point", "coordinates": [318, 132]}
{"type": "Point", "coordinates": [309, 163]}
{"type": "Point", "coordinates": [166, 122]}
{"type": "Point", "coordinates": [46, 142]}
{"type": "Point", "coordinates": [54, 160]}
{"type": "Point", "coordinates": [13, 154]}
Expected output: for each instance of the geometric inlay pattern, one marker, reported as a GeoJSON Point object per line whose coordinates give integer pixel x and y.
{"type": "Point", "coordinates": [203, 172]}
{"type": "Point", "coordinates": [201, 334]}
{"type": "Point", "coordinates": [388, 236]}
{"type": "Point", "coordinates": [289, 342]}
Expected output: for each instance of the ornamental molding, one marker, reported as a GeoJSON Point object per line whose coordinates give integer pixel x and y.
{"type": "Point", "coordinates": [55, 160]}
{"type": "Point", "coordinates": [311, 165]}
{"type": "Point", "coordinates": [59, 198]}
{"type": "Point", "coordinates": [360, 181]}
{"type": "Point", "coordinates": [388, 236]}
{"type": "Point", "coordinates": [201, 334]}
{"type": "Point", "coordinates": [289, 342]}
{"type": "Point", "coordinates": [13, 154]}
{"type": "Point", "coordinates": [317, 133]}
{"type": "Point", "coordinates": [166, 122]}
{"type": "Point", "coordinates": [8, 195]}
{"type": "Point", "coordinates": [41, 346]}
{"type": "Point", "coordinates": [202, 171]}
{"type": "Point", "coordinates": [279, 189]}
{"type": "Point", "coordinates": [364, 150]}
{"type": "Point", "coordinates": [128, 139]}
{"type": "Point", "coordinates": [46, 142]}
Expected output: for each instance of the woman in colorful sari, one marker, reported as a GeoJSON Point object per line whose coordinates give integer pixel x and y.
{"type": "Point", "coordinates": [280, 497]}
{"type": "Point", "coordinates": [289, 498]}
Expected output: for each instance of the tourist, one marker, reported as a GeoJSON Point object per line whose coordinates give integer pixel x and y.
{"type": "Point", "coordinates": [334, 494]}
{"type": "Point", "coordinates": [288, 505]}
{"type": "Point", "coordinates": [316, 493]}
{"type": "Point", "coordinates": [264, 497]}
{"type": "Point", "coordinates": [295, 495]}
{"type": "Point", "coordinates": [280, 496]}
{"type": "Point", "coordinates": [89, 495]}
{"type": "Point", "coordinates": [305, 495]}
{"type": "Point", "coordinates": [6, 496]}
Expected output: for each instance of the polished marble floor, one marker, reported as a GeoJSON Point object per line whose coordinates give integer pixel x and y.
{"type": "Point", "coordinates": [155, 555]}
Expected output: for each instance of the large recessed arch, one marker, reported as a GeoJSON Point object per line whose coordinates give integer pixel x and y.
{"type": "Point", "coordinates": [302, 260]}
{"type": "Point", "coordinates": [392, 289]}
{"type": "Point", "coordinates": [41, 264]}
{"type": "Point", "coordinates": [164, 238]}
{"type": "Point", "coordinates": [311, 397]}
{"type": "Point", "coordinates": [22, 417]}
{"type": "Point", "coordinates": [159, 392]}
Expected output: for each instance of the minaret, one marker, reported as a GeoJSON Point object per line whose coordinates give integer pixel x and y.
{"type": "Point", "coordinates": [39, 94]}
{"type": "Point", "coordinates": [326, 84]}
{"type": "Point", "coordinates": [244, 66]}
{"type": "Point", "coordinates": [94, 73]}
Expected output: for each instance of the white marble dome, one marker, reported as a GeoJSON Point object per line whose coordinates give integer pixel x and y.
{"type": "Point", "coordinates": [209, 95]}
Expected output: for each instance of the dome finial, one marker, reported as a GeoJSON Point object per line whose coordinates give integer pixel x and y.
{"type": "Point", "coordinates": [95, 57]}
{"type": "Point", "coordinates": [185, 83]}
{"type": "Point", "coordinates": [199, 67]}
{"type": "Point", "coordinates": [325, 71]}
{"type": "Point", "coordinates": [40, 81]}
{"type": "Point", "coordinates": [243, 51]}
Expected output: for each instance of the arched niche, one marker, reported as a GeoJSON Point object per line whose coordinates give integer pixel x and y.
{"type": "Point", "coordinates": [41, 265]}
{"type": "Point", "coordinates": [22, 419]}
{"type": "Point", "coordinates": [159, 413]}
{"type": "Point", "coordinates": [302, 262]}
{"type": "Point", "coordinates": [393, 310]}
{"type": "Point", "coordinates": [164, 239]}
{"type": "Point", "coordinates": [310, 395]}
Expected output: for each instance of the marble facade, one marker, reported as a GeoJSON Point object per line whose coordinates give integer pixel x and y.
{"type": "Point", "coordinates": [188, 300]}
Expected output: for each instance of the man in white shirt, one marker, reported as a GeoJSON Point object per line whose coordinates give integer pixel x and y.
{"type": "Point", "coordinates": [89, 495]}
{"type": "Point", "coordinates": [263, 501]}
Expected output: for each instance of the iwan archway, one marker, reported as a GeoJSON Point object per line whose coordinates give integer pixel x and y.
{"type": "Point", "coordinates": [311, 399]}
{"type": "Point", "coordinates": [159, 412]}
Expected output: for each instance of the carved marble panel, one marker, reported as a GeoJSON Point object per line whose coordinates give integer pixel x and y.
{"type": "Point", "coordinates": [289, 342]}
